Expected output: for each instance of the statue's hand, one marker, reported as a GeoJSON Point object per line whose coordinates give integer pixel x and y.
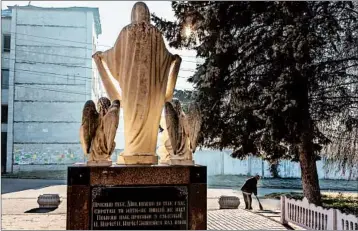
{"type": "Point", "coordinates": [97, 56]}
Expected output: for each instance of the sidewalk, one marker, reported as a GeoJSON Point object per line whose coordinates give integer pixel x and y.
{"type": "Point", "coordinates": [17, 214]}
{"type": "Point", "coordinates": [238, 219]}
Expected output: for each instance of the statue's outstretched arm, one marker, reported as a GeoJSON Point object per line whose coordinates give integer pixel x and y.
{"type": "Point", "coordinates": [173, 76]}
{"type": "Point", "coordinates": [111, 90]}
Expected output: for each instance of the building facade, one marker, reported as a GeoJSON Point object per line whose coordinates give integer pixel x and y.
{"type": "Point", "coordinates": [47, 75]}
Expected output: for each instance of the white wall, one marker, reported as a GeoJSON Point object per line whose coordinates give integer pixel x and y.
{"type": "Point", "coordinates": [221, 163]}
{"type": "Point", "coordinates": [4, 96]}
{"type": "Point", "coordinates": [5, 25]}
{"type": "Point", "coordinates": [50, 90]}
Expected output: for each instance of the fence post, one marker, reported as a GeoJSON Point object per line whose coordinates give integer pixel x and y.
{"type": "Point", "coordinates": [283, 211]}
{"type": "Point", "coordinates": [332, 220]}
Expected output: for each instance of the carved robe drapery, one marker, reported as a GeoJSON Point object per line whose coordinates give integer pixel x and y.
{"type": "Point", "coordinates": [140, 62]}
{"type": "Point", "coordinates": [165, 149]}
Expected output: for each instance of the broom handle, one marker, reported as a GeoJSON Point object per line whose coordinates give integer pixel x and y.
{"type": "Point", "coordinates": [258, 199]}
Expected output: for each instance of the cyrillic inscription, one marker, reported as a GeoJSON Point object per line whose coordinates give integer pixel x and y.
{"type": "Point", "coordinates": [139, 207]}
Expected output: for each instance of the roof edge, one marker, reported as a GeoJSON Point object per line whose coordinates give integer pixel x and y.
{"type": "Point", "coordinates": [94, 10]}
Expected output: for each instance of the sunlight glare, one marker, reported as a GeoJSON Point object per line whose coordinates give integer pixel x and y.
{"type": "Point", "coordinates": [187, 31]}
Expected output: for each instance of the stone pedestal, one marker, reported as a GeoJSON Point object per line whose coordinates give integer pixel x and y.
{"type": "Point", "coordinates": [137, 160]}
{"type": "Point", "coordinates": [176, 162]}
{"type": "Point", "coordinates": [180, 162]}
{"type": "Point", "coordinates": [99, 163]}
{"type": "Point", "coordinates": [136, 197]}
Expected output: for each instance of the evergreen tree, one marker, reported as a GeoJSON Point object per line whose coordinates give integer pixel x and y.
{"type": "Point", "coordinates": [185, 97]}
{"type": "Point", "coordinates": [276, 76]}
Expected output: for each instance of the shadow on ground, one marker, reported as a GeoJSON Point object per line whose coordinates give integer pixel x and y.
{"type": "Point", "coordinates": [41, 210]}
{"type": "Point", "coordinates": [15, 185]}
{"type": "Point", "coordinates": [267, 211]}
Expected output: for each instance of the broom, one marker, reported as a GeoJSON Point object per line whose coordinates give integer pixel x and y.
{"type": "Point", "coordinates": [261, 208]}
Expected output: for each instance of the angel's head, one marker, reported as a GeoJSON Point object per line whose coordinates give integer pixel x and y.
{"type": "Point", "coordinates": [89, 109]}
{"type": "Point", "coordinates": [140, 13]}
{"type": "Point", "coordinates": [116, 103]}
{"type": "Point", "coordinates": [103, 105]}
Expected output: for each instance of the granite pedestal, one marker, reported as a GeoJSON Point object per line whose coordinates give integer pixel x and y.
{"type": "Point", "coordinates": [136, 197]}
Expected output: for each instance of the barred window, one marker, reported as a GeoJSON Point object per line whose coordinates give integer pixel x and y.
{"type": "Point", "coordinates": [4, 78]}
{"type": "Point", "coordinates": [7, 43]}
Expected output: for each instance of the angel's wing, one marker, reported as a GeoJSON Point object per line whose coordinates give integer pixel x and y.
{"type": "Point", "coordinates": [88, 126]}
{"type": "Point", "coordinates": [194, 121]}
{"type": "Point", "coordinates": [110, 124]}
{"type": "Point", "coordinates": [173, 125]}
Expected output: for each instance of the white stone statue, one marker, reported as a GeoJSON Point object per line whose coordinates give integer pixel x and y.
{"type": "Point", "coordinates": [98, 130]}
{"type": "Point", "coordinates": [147, 73]}
{"type": "Point", "coordinates": [165, 149]}
{"type": "Point", "coordinates": [180, 133]}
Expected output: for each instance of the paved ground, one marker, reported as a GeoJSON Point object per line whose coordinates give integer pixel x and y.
{"type": "Point", "coordinates": [21, 199]}
{"type": "Point", "coordinates": [239, 219]}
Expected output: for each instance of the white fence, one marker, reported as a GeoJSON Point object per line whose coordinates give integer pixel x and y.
{"type": "Point", "coordinates": [312, 217]}
{"type": "Point", "coordinates": [346, 221]}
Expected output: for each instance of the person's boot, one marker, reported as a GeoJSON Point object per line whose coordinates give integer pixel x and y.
{"type": "Point", "coordinates": [246, 206]}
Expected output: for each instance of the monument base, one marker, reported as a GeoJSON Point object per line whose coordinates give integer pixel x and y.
{"type": "Point", "coordinates": [137, 160]}
{"type": "Point", "coordinates": [99, 163]}
{"type": "Point", "coordinates": [136, 198]}
{"type": "Point", "coordinates": [165, 162]}
{"type": "Point", "coordinates": [180, 162]}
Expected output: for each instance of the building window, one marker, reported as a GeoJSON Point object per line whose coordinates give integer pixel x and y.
{"type": "Point", "coordinates": [4, 78]}
{"type": "Point", "coordinates": [3, 151]}
{"type": "Point", "coordinates": [4, 110]}
{"type": "Point", "coordinates": [7, 43]}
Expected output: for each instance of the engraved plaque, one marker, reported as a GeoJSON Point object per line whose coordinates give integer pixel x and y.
{"type": "Point", "coordinates": [150, 207]}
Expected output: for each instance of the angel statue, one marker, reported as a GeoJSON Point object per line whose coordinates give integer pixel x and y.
{"type": "Point", "coordinates": [98, 130]}
{"type": "Point", "coordinates": [180, 133]}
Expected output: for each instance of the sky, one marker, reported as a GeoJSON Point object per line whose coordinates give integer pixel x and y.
{"type": "Point", "coordinates": [114, 15]}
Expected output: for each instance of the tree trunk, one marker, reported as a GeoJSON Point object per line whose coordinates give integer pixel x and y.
{"type": "Point", "coordinates": [310, 183]}
{"type": "Point", "coordinates": [307, 157]}
{"type": "Point", "coordinates": [274, 169]}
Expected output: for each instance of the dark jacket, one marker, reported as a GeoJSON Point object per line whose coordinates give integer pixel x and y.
{"type": "Point", "coordinates": [250, 186]}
